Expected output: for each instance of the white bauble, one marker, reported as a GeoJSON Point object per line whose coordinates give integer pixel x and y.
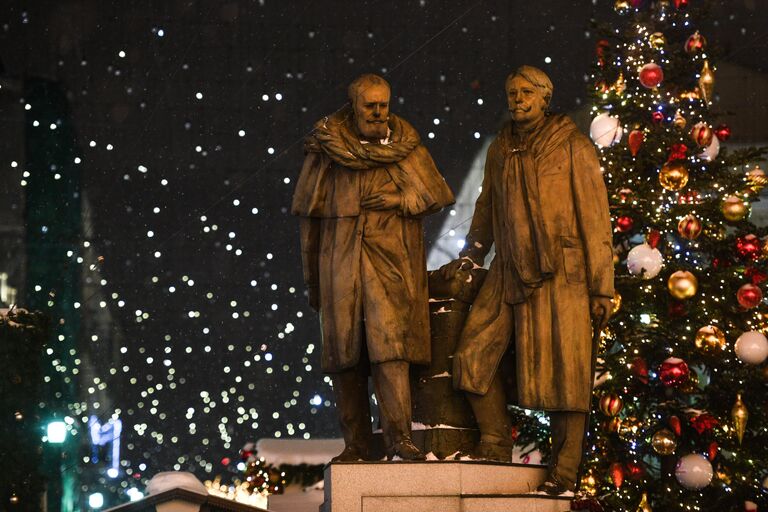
{"type": "Point", "coordinates": [645, 261]}
{"type": "Point", "coordinates": [693, 471]}
{"type": "Point", "coordinates": [752, 347]}
{"type": "Point", "coordinates": [711, 151]}
{"type": "Point", "coordinates": [605, 130]}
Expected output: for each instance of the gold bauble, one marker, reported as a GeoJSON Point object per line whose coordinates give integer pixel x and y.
{"type": "Point", "coordinates": [695, 94]}
{"type": "Point", "coordinates": [679, 121]}
{"type": "Point", "coordinates": [620, 86]}
{"type": "Point", "coordinates": [691, 385]}
{"type": "Point", "coordinates": [734, 208]}
{"type": "Point", "coordinates": [673, 175]}
{"type": "Point", "coordinates": [589, 483]}
{"type": "Point", "coordinates": [643, 506]}
{"type": "Point", "coordinates": [723, 476]}
{"type": "Point", "coordinates": [616, 301]}
{"type": "Point", "coordinates": [682, 285]}
{"type": "Point", "coordinates": [707, 82]}
{"type": "Point", "coordinates": [657, 40]}
{"type": "Point", "coordinates": [715, 231]}
{"type": "Point", "coordinates": [739, 415]}
{"type": "Point", "coordinates": [621, 6]}
{"type": "Point", "coordinates": [629, 428]}
{"type": "Point", "coordinates": [664, 442]}
{"type": "Point", "coordinates": [613, 424]}
{"type": "Point", "coordinates": [710, 337]}
{"type": "Point", "coordinates": [756, 179]}
{"type": "Point", "coordinates": [611, 404]}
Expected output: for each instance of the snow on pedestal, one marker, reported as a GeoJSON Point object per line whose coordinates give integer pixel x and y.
{"type": "Point", "coordinates": [294, 452]}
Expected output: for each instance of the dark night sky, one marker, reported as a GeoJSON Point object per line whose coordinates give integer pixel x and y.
{"type": "Point", "coordinates": [193, 77]}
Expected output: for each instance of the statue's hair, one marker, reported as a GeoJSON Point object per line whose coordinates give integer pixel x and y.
{"type": "Point", "coordinates": [367, 79]}
{"type": "Point", "coordinates": [537, 77]}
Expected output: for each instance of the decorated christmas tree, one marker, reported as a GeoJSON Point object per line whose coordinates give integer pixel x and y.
{"type": "Point", "coordinates": [679, 419]}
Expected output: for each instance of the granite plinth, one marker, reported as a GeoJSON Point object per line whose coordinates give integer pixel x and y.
{"type": "Point", "coordinates": [445, 486]}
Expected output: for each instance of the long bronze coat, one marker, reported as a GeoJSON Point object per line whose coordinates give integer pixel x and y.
{"type": "Point", "coordinates": [564, 263]}
{"type": "Point", "coordinates": [368, 266]}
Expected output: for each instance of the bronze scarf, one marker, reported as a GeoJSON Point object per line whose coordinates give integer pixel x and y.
{"type": "Point", "coordinates": [335, 136]}
{"type": "Point", "coordinates": [527, 244]}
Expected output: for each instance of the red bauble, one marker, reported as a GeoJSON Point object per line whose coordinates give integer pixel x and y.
{"type": "Point", "coordinates": [681, 4]}
{"type": "Point", "coordinates": [635, 470]}
{"type": "Point", "coordinates": [635, 140]}
{"type": "Point", "coordinates": [651, 75]}
{"type": "Point", "coordinates": [611, 404]}
{"type": "Point", "coordinates": [749, 296]}
{"type": "Point", "coordinates": [695, 43]}
{"type": "Point", "coordinates": [625, 195]}
{"type": "Point", "coordinates": [640, 369]}
{"type": "Point", "coordinates": [617, 474]}
{"type": "Point", "coordinates": [748, 246]}
{"type": "Point", "coordinates": [677, 152]}
{"type": "Point", "coordinates": [723, 132]}
{"type": "Point", "coordinates": [702, 134]}
{"type": "Point", "coordinates": [690, 197]}
{"type": "Point", "coordinates": [602, 45]}
{"type": "Point", "coordinates": [713, 448]}
{"type": "Point", "coordinates": [755, 275]}
{"type": "Point", "coordinates": [689, 227]}
{"type": "Point", "coordinates": [653, 238]}
{"type": "Point", "coordinates": [624, 223]}
{"type": "Point", "coordinates": [225, 461]}
{"type": "Point", "coordinates": [677, 309]}
{"type": "Point", "coordinates": [657, 117]}
{"type": "Point", "coordinates": [673, 372]}
{"type": "Point", "coordinates": [674, 424]}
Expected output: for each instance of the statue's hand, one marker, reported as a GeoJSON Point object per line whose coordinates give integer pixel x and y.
{"type": "Point", "coordinates": [600, 309]}
{"type": "Point", "coordinates": [384, 201]}
{"type": "Point", "coordinates": [449, 270]}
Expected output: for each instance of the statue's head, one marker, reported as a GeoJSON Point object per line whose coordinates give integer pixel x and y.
{"type": "Point", "coordinates": [529, 91]}
{"type": "Point", "coordinates": [369, 96]}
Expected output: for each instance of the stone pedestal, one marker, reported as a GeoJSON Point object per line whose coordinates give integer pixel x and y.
{"type": "Point", "coordinates": [439, 486]}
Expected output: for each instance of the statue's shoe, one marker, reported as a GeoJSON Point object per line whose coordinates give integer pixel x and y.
{"type": "Point", "coordinates": [406, 450]}
{"type": "Point", "coordinates": [492, 451]}
{"type": "Point", "coordinates": [351, 453]}
{"type": "Point", "coordinates": [555, 486]}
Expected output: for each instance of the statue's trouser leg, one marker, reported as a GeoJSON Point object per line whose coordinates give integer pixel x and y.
{"type": "Point", "coordinates": [393, 393]}
{"type": "Point", "coordinates": [350, 388]}
{"type": "Point", "coordinates": [568, 429]}
{"type": "Point", "coordinates": [491, 413]}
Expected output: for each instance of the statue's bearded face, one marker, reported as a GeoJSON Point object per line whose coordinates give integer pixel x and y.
{"type": "Point", "coordinates": [372, 110]}
{"type": "Point", "coordinates": [527, 104]}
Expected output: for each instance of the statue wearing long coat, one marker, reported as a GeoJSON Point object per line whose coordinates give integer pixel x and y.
{"type": "Point", "coordinates": [544, 206]}
{"type": "Point", "coordinates": [369, 266]}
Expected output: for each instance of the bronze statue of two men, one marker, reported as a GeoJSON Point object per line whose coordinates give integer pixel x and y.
{"type": "Point", "coordinates": [365, 185]}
